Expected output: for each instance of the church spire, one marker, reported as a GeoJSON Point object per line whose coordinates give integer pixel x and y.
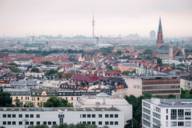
{"type": "Point", "coordinates": [159, 35]}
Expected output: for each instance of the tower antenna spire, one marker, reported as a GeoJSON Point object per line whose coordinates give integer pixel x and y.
{"type": "Point", "coordinates": [93, 26]}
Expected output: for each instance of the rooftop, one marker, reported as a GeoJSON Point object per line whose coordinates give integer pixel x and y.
{"type": "Point", "coordinates": [57, 109]}
{"type": "Point", "coordinates": [171, 102]}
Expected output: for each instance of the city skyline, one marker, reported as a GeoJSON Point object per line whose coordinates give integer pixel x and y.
{"type": "Point", "coordinates": [33, 17]}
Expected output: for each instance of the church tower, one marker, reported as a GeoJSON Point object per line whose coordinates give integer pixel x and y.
{"type": "Point", "coordinates": [159, 42]}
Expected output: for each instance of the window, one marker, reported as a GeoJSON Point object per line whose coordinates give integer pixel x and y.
{"type": "Point", "coordinates": [180, 114]}
{"type": "Point", "coordinates": [4, 116]}
{"type": "Point", "coordinates": [146, 111]}
{"type": "Point", "coordinates": [89, 116]}
{"type": "Point", "coordinates": [93, 115]}
{"type": "Point", "coordinates": [100, 115]}
{"type": "Point", "coordinates": [49, 122]}
{"type": "Point", "coordinates": [100, 123]}
{"type": "Point", "coordinates": [13, 115]}
{"type": "Point", "coordinates": [38, 123]}
{"type": "Point", "coordinates": [116, 115]}
{"type": "Point", "coordinates": [146, 105]}
{"type": "Point", "coordinates": [106, 123]}
{"type": "Point", "coordinates": [145, 116]}
{"type": "Point", "coordinates": [31, 123]}
{"type": "Point", "coordinates": [93, 122]}
{"type": "Point", "coordinates": [26, 115]}
{"type": "Point", "coordinates": [88, 122]}
{"type": "Point", "coordinates": [84, 122]}
{"type": "Point", "coordinates": [174, 123]}
{"type": "Point", "coordinates": [180, 123]}
{"type": "Point", "coordinates": [20, 115]}
{"type": "Point", "coordinates": [111, 122]}
{"type": "Point", "coordinates": [4, 122]}
{"type": "Point", "coordinates": [116, 123]}
{"type": "Point", "coordinates": [166, 110]}
{"type": "Point", "coordinates": [31, 115]}
{"type": "Point", "coordinates": [26, 123]}
{"type": "Point", "coordinates": [188, 124]}
{"type": "Point", "coordinates": [106, 116]}
{"type": "Point", "coordinates": [38, 115]}
{"type": "Point", "coordinates": [9, 115]}
{"type": "Point", "coordinates": [84, 115]}
{"type": "Point", "coordinates": [13, 123]}
{"type": "Point", "coordinates": [9, 122]}
{"type": "Point", "coordinates": [173, 114]}
{"type": "Point", "coordinates": [187, 115]}
{"type": "Point", "coordinates": [20, 122]}
{"type": "Point", "coordinates": [45, 123]}
{"type": "Point", "coordinates": [111, 115]}
{"type": "Point", "coordinates": [166, 117]}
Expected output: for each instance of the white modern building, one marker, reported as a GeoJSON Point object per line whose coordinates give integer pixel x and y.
{"type": "Point", "coordinates": [26, 117]}
{"type": "Point", "coordinates": [102, 100]}
{"type": "Point", "coordinates": [166, 113]}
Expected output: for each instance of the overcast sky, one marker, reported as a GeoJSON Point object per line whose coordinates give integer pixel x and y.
{"type": "Point", "coordinates": [113, 17]}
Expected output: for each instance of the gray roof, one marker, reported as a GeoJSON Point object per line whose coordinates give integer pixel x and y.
{"type": "Point", "coordinates": [171, 102]}
{"type": "Point", "coordinates": [57, 109]}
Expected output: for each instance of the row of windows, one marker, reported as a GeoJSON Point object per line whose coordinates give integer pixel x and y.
{"type": "Point", "coordinates": [20, 115]}
{"type": "Point", "coordinates": [156, 115]}
{"type": "Point", "coordinates": [29, 123]}
{"type": "Point", "coordinates": [99, 115]}
{"type": "Point", "coordinates": [146, 105]}
{"type": "Point", "coordinates": [101, 123]}
{"type": "Point", "coordinates": [146, 111]}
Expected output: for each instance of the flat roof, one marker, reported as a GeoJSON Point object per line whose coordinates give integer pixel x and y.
{"type": "Point", "coordinates": [170, 102]}
{"type": "Point", "coordinates": [58, 109]}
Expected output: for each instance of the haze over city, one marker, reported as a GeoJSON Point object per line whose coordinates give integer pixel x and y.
{"type": "Point", "coordinates": [95, 64]}
{"type": "Point", "coordinates": [112, 17]}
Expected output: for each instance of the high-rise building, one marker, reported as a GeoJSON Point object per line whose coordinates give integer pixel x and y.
{"type": "Point", "coordinates": [152, 35]}
{"type": "Point", "coordinates": [93, 27]}
{"type": "Point", "coordinates": [159, 42]}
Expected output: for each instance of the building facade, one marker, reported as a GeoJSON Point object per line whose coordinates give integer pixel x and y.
{"type": "Point", "coordinates": [26, 117]}
{"type": "Point", "coordinates": [161, 86]}
{"type": "Point", "coordinates": [166, 113]}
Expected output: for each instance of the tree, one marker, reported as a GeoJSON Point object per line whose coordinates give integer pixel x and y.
{"type": "Point", "coordinates": [28, 104]}
{"type": "Point", "coordinates": [47, 63]}
{"type": "Point", "coordinates": [14, 69]}
{"type": "Point", "coordinates": [57, 102]}
{"type": "Point", "coordinates": [5, 99]}
{"type": "Point", "coordinates": [159, 61]}
{"type": "Point", "coordinates": [36, 70]}
{"type": "Point", "coordinates": [18, 103]}
{"type": "Point", "coordinates": [136, 102]}
{"type": "Point", "coordinates": [186, 94]}
{"type": "Point", "coordinates": [39, 126]}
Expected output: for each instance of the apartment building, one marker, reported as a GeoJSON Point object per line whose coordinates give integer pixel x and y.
{"type": "Point", "coordinates": [166, 113]}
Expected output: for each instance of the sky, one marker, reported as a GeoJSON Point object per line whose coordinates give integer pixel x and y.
{"type": "Point", "coordinates": [112, 17]}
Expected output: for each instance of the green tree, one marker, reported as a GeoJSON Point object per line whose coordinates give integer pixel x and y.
{"type": "Point", "coordinates": [39, 126]}
{"type": "Point", "coordinates": [14, 69]}
{"type": "Point", "coordinates": [57, 102]}
{"type": "Point", "coordinates": [51, 72]}
{"type": "Point", "coordinates": [34, 69]}
{"type": "Point", "coordinates": [28, 104]}
{"type": "Point", "coordinates": [186, 94]}
{"type": "Point", "coordinates": [18, 103]}
{"type": "Point", "coordinates": [47, 63]}
{"type": "Point", "coordinates": [159, 61]}
{"type": "Point", "coordinates": [5, 99]}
